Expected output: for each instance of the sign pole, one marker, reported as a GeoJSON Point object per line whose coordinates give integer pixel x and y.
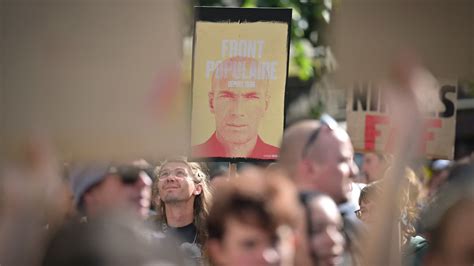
{"type": "Point", "coordinates": [232, 170]}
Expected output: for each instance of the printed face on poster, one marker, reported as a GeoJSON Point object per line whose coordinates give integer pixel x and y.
{"type": "Point", "coordinates": [239, 79]}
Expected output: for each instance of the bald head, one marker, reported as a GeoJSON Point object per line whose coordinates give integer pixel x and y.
{"type": "Point", "coordinates": [294, 139]}
{"type": "Point", "coordinates": [327, 165]}
{"type": "Point", "coordinates": [328, 139]}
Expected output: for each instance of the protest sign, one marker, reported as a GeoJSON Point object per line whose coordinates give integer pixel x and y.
{"type": "Point", "coordinates": [240, 66]}
{"type": "Point", "coordinates": [369, 121]}
{"type": "Point", "coordinates": [94, 79]}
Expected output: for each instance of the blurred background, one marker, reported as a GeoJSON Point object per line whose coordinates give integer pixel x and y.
{"type": "Point", "coordinates": [110, 80]}
{"type": "Point", "coordinates": [102, 78]}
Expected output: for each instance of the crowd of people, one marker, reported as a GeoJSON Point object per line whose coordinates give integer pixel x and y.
{"type": "Point", "coordinates": [311, 207]}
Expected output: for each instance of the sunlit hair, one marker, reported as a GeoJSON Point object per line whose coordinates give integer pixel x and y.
{"type": "Point", "coordinates": [243, 205]}
{"type": "Point", "coordinates": [408, 204]}
{"type": "Point", "coordinates": [202, 202]}
{"type": "Point", "coordinates": [371, 192]}
{"type": "Point", "coordinates": [411, 197]}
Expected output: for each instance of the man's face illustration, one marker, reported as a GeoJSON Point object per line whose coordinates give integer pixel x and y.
{"type": "Point", "coordinates": [238, 110]}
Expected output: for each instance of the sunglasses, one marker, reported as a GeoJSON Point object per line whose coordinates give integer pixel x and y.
{"type": "Point", "coordinates": [177, 173]}
{"type": "Point", "coordinates": [327, 121]}
{"type": "Point", "coordinates": [129, 175]}
{"type": "Point", "coordinates": [358, 213]}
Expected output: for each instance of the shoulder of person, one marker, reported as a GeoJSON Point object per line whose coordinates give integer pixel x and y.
{"type": "Point", "coordinates": [417, 243]}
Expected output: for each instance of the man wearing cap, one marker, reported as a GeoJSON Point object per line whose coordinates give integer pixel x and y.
{"type": "Point", "coordinates": [101, 188]}
{"type": "Point", "coordinates": [238, 103]}
{"type": "Point", "coordinates": [114, 198]}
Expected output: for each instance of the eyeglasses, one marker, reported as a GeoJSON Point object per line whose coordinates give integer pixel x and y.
{"type": "Point", "coordinates": [326, 120]}
{"type": "Point", "coordinates": [360, 212]}
{"type": "Point", "coordinates": [178, 173]}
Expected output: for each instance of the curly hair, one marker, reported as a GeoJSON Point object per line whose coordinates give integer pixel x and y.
{"type": "Point", "coordinates": [408, 208]}
{"type": "Point", "coordinates": [202, 202]}
{"type": "Point", "coordinates": [411, 198]}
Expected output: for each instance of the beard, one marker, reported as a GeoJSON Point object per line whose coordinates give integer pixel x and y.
{"type": "Point", "coordinates": [171, 198]}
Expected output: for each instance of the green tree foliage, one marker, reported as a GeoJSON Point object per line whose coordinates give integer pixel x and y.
{"type": "Point", "coordinates": [308, 20]}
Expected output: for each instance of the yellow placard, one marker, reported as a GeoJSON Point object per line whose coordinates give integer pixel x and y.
{"type": "Point", "coordinates": [239, 78]}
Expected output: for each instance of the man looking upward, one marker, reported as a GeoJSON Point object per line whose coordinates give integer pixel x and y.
{"type": "Point", "coordinates": [182, 199]}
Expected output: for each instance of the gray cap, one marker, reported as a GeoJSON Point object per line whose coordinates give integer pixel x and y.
{"type": "Point", "coordinates": [83, 177]}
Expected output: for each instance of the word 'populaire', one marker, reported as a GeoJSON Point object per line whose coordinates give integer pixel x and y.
{"type": "Point", "coordinates": [241, 62]}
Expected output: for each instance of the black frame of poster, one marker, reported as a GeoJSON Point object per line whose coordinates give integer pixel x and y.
{"type": "Point", "coordinates": [220, 14]}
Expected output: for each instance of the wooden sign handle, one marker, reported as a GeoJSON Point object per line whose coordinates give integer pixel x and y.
{"type": "Point", "coordinates": [232, 170]}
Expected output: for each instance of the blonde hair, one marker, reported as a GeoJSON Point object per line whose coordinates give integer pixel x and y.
{"type": "Point", "coordinates": [408, 203]}
{"type": "Point", "coordinates": [202, 202]}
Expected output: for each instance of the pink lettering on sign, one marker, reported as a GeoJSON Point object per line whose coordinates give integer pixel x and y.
{"type": "Point", "coordinates": [428, 135]}
{"type": "Point", "coordinates": [371, 132]}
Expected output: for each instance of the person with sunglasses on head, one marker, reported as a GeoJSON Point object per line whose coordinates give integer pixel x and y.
{"type": "Point", "coordinates": [182, 199]}
{"type": "Point", "coordinates": [318, 156]}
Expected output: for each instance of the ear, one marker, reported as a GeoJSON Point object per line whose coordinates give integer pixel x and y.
{"type": "Point", "coordinates": [211, 101]}
{"type": "Point", "coordinates": [87, 199]}
{"type": "Point", "coordinates": [304, 168]}
{"type": "Point", "coordinates": [198, 189]}
{"type": "Point", "coordinates": [308, 169]}
{"type": "Point", "coordinates": [90, 200]}
{"type": "Point", "coordinates": [90, 197]}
